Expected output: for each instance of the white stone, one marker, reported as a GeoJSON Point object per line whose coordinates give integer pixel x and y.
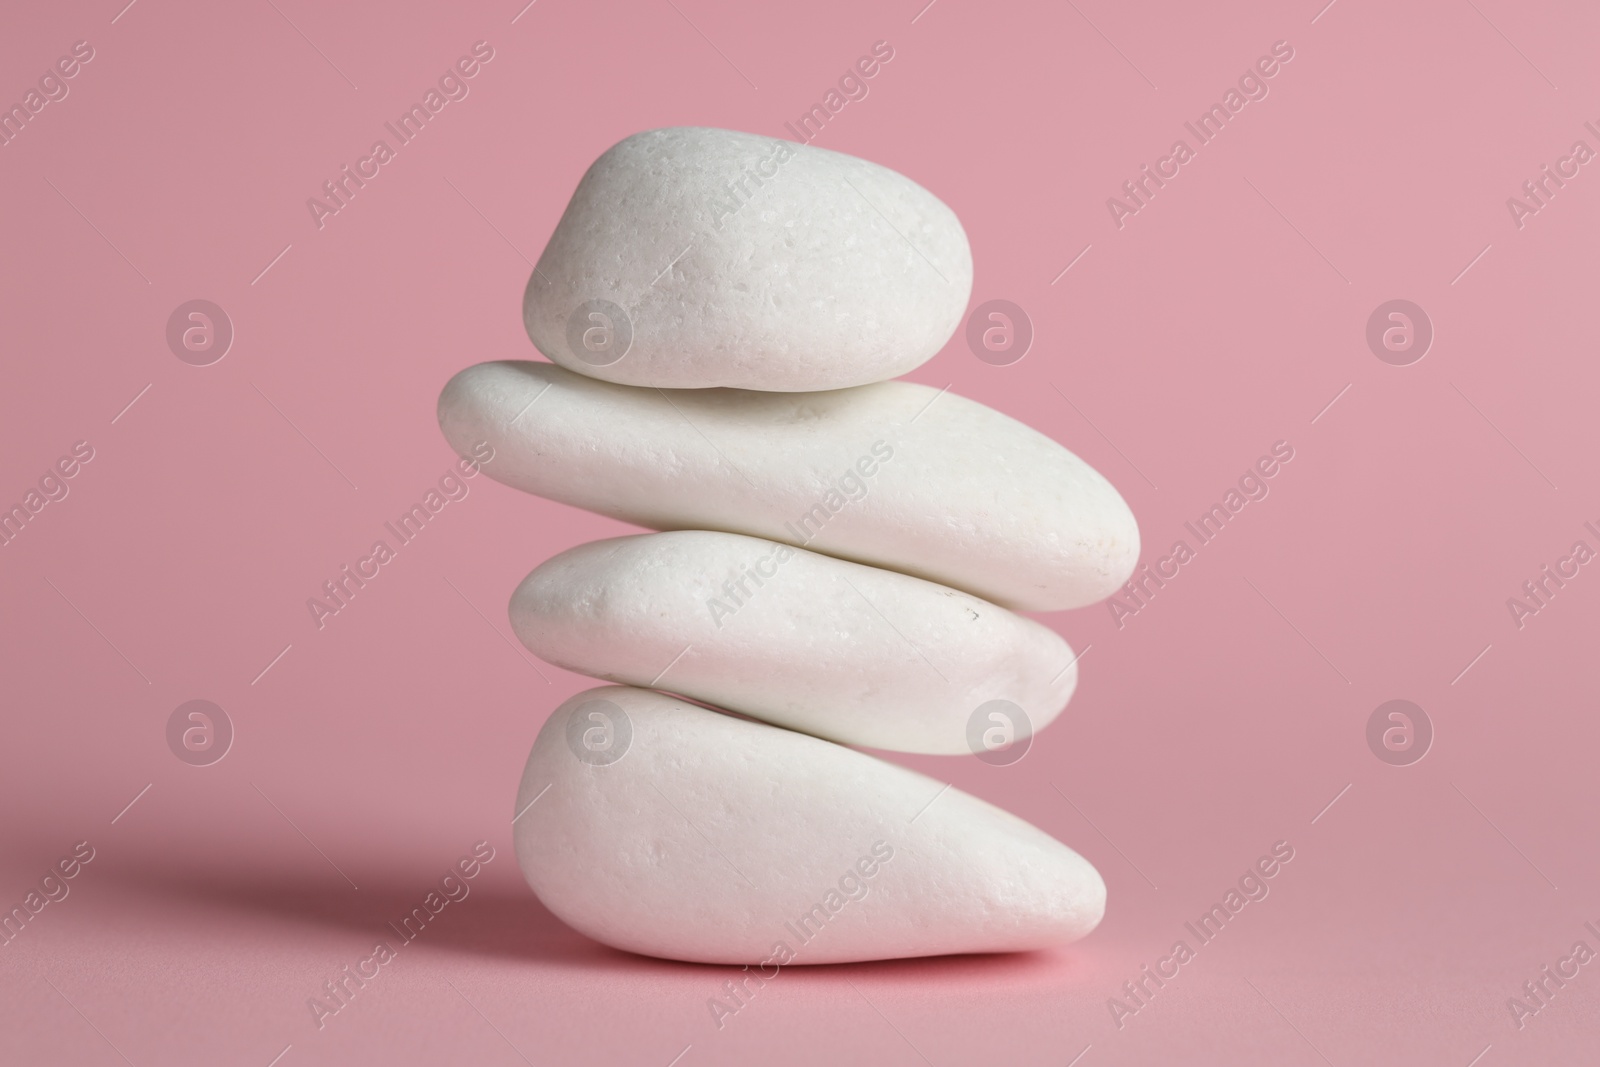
{"type": "Point", "coordinates": [747, 261]}
{"type": "Point", "coordinates": [712, 837]}
{"type": "Point", "coordinates": [847, 652]}
{"type": "Point", "coordinates": [897, 475]}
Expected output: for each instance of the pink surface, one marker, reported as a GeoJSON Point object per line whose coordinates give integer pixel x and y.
{"type": "Point", "coordinates": [1227, 314]}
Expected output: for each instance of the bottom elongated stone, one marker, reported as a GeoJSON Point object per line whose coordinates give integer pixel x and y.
{"type": "Point", "coordinates": [660, 827]}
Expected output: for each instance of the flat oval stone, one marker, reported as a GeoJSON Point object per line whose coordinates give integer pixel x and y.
{"type": "Point", "coordinates": [847, 652]}
{"type": "Point", "coordinates": [896, 475]}
{"type": "Point", "coordinates": [690, 258]}
{"type": "Point", "coordinates": [663, 828]}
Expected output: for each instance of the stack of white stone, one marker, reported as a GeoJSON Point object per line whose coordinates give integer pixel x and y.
{"type": "Point", "coordinates": [723, 312]}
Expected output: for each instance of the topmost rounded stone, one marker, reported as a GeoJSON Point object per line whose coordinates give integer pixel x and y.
{"type": "Point", "coordinates": [690, 258]}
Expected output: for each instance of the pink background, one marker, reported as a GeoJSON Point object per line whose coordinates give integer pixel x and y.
{"type": "Point", "coordinates": [1222, 718]}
